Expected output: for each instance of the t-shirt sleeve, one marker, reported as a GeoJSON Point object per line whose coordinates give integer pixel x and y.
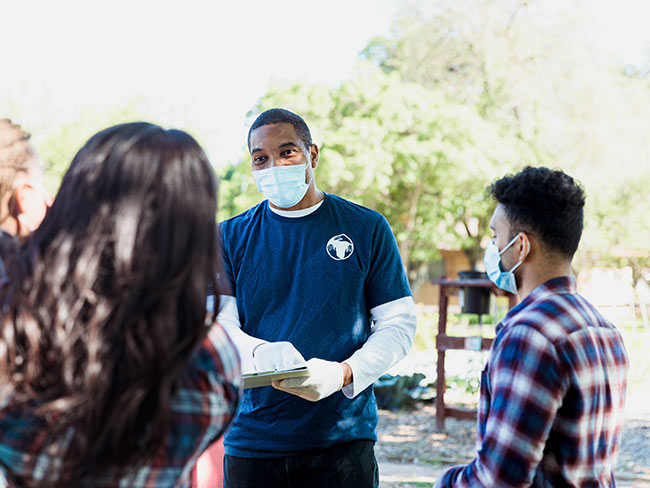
{"type": "Point", "coordinates": [386, 280]}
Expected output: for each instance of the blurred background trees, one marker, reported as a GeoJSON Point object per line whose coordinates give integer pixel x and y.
{"type": "Point", "coordinates": [461, 93]}
{"type": "Point", "coordinates": [458, 94]}
{"type": "Point", "coordinates": [409, 152]}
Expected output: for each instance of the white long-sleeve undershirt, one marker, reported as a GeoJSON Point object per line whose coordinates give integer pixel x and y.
{"type": "Point", "coordinates": [391, 334]}
{"type": "Point", "coordinates": [391, 337]}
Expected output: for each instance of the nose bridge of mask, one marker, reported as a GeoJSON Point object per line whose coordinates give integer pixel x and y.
{"type": "Point", "coordinates": [283, 173]}
{"type": "Point", "coordinates": [277, 175]}
{"type": "Point", "coordinates": [283, 185]}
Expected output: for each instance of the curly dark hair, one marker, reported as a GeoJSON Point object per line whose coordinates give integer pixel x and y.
{"type": "Point", "coordinates": [545, 203]}
{"type": "Point", "coordinates": [100, 324]}
{"type": "Point", "coordinates": [282, 116]}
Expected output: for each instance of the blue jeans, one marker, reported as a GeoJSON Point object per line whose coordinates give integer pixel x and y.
{"type": "Point", "coordinates": [349, 465]}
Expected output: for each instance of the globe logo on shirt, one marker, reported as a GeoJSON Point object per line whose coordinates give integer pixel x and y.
{"type": "Point", "coordinates": [340, 247]}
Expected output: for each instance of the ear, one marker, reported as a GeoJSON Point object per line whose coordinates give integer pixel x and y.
{"type": "Point", "coordinates": [314, 155]}
{"type": "Point", "coordinates": [523, 246]}
{"type": "Point", "coordinates": [20, 197]}
{"type": "Point", "coordinates": [30, 205]}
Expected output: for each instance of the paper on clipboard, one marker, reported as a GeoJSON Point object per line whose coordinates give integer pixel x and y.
{"type": "Point", "coordinates": [264, 378]}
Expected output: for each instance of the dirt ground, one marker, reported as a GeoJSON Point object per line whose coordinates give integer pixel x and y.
{"type": "Point", "coordinates": [409, 437]}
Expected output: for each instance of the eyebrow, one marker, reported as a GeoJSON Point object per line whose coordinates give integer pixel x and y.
{"type": "Point", "coordinates": [284, 144]}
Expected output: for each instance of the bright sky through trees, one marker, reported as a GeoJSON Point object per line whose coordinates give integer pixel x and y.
{"type": "Point", "coordinates": [202, 65]}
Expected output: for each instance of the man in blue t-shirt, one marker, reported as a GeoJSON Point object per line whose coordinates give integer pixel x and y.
{"type": "Point", "coordinates": [314, 280]}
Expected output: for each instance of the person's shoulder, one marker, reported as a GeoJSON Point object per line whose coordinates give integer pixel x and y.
{"type": "Point", "coordinates": [555, 316]}
{"type": "Point", "coordinates": [215, 362]}
{"type": "Point", "coordinates": [245, 218]}
{"type": "Point", "coordinates": [354, 209]}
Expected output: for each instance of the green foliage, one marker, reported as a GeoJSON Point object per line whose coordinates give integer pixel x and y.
{"type": "Point", "coordinates": [237, 190]}
{"type": "Point", "coordinates": [427, 329]}
{"type": "Point", "coordinates": [60, 146]}
{"type": "Point", "coordinates": [547, 85]}
{"type": "Point", "coordinates": [617, 226]}
{"type": "Point", "coordinates": [417, 157]}
{"type": "Point", "coordinates": [466, 383]}
{"type": "Point", "coordinates": [466, 92]}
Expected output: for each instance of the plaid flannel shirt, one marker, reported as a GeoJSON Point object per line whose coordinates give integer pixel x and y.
{"type": "Point", "coordinates": [204, 404]}
{"type": "Point", "coordinates": [552, 397]}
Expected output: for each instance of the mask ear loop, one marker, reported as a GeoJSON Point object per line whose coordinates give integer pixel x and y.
{"type": "Point", "coordinates": [520, 262]}
{"type": "Point", "coordinates": [514, 239]}
{"type": "Point", "coordinates": [515, 267]}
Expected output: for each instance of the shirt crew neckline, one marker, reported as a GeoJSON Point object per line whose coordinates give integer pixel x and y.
{"type": "Point", "coordinates": [282, 218]}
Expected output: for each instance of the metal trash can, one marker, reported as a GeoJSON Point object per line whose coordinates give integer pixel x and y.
{"type": "Point", "coordinates": [474, 299]}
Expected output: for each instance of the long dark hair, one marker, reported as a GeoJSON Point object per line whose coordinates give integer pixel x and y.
{"type": "Point", "coordinates": [99, 326]}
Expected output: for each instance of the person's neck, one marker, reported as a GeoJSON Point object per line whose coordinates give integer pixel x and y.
{"type": "Point", "coordinates": [533, 276]}
{"type": "Point", "coordinates": [311, 198]}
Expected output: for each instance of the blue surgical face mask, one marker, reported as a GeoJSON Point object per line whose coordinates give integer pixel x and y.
{"type": "Point", "coordinates": [284, 186]}
{"type": "Point", "coordinates": [492, 260]}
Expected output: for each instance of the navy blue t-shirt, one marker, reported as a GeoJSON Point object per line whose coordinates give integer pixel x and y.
{"type": "Point", "coordinates": [311, 281]}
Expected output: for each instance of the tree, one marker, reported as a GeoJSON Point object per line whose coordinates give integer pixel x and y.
{"type": "Point", "coordinates": [237, 191]}
{"type": "Point", "coordinates": [420, 159]}
{"type": "Point", "coordinates": [538, 75]}
{"type": "Point", "coordinates": [467, 92]}
{"type": "Point", "coordinates": [60, 144]}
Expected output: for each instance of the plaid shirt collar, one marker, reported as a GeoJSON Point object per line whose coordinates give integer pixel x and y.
{"type": "Point", "coordinates": [559, 285]}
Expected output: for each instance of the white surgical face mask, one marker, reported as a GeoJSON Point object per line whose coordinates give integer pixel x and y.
{"type": "Point", "coordinates": [492, 260]}
{"type": "Point", "coordinates": [284, 186]}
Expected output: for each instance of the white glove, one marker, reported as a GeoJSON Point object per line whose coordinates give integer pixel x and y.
{"type": "Point", "coordinates": [276, 356]}
{"type": "Point", "coordinates": [325, 378]}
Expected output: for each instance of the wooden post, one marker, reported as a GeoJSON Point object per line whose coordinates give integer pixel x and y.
{"type": "Point", "coordinates": [444, 342]}
{"type": "Point", "coordinates": [440, 377]}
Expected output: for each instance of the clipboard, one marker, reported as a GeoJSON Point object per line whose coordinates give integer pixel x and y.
{"type": "Point", "coordinates": [264, 378]}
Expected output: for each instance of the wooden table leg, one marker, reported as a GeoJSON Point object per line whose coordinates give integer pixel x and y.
{"type": "Point", "coordinates": [440, 376]}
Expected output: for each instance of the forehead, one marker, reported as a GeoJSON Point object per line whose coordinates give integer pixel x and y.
{"type": "Point", "coordinates": [272, 135]}
{"type": "Point", "coordinates": [499, 219]}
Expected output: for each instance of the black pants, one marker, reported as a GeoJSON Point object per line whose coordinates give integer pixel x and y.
{"type": "Point", "coordinates": [349, 465]}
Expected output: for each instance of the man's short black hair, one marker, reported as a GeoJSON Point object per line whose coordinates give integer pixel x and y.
{"type": "Point", "coordinates": [546, 203]}
{"type": "Point", "coordinates": [282, 116]}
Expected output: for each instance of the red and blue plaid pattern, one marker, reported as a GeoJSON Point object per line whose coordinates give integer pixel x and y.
{"type": "Point", "coordinates": [552, 397]}
{"type": "Point", "coordinates": [204, 405]}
